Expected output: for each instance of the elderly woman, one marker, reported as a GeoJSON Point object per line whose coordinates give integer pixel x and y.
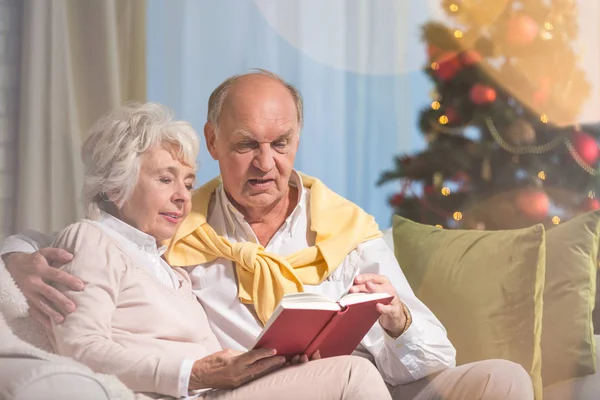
{"type": "Point", "coordinates": [137, 318]}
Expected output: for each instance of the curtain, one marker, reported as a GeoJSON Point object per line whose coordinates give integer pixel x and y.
{"type": "Point", "coordinates": [356, 62]}
{"type": "Point", "coordinates": [79, 60]}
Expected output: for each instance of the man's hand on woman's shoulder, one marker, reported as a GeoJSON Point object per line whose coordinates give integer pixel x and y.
{"type": "Point", "coordinates": [35, 273]}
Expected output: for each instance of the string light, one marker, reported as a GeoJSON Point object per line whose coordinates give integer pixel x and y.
{"type": "Point", "coordinates": [454, 7]}
{"type": "Point", "coordinates": [458, 34]}
{"type": "Point", "coordinates": [439, 226]}
{"type": "Point", "coordinates": [443, 120]}
{"type": "Point", "coordinates": [446, 191]}
{"type": "Point", "coordinates": [556, 220]}
{"type": "Point", "coordinates": [436, 105]}
{"type": "Point", "coordinates": [457, 216]}
{"type": "Point", "coordinates": [435, 66]}
{"type": "Point", "coordinates": [542, 175]}
{"type": "Point", "coordinates": [548, 25]}
{"type": "Point", "coordinates": [544, 118]}
{"type": "Point", "coordinates": [591, 194]}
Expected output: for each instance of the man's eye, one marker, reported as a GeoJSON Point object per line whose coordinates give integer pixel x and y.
{"type": "Point", "coordinates": [166, 180]}
{"type": "Point", "coordinates": [245, 146]}
{"type": "Point", "coordinates": [189, 187]}
{"type": "Point", "coordinates": [280, 145]}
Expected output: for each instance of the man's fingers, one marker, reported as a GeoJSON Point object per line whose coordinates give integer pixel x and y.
{"type": "Point", "coordinates": [39, 316]}
{"type": "Point", "coordinates": [62, 277]}
{"type": "Point", "coordinates": [315, 356]}
{"type": "Point", "coordinates": [56, 257]}
{"type": "Point", "coordinates": [60, 302]}
{"type": "Point", "coordinates": [359, 289]}
{"type": "Point", "coordinates": [364, 278]}
{"type": "Point", "coordinates": [44, 308]}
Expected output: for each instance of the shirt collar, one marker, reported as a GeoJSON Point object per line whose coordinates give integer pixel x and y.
{"type": "Point", "coordinates": [140, 239]}
{"type": "Point", "coordinates": [232, 213]}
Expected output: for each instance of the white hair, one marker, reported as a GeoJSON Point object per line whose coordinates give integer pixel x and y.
{"type": "Point", "coordinates": [219, 96]}
{"type": "Point", "coordinates": [111, 153]}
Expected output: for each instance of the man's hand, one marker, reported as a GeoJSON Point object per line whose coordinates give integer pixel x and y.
{"type": "Point", "coordinates": [392, 318]}
{"type": "Point", "coordinates": [228, 369]}
{"type": "Point", "coordinates": [34, 273]}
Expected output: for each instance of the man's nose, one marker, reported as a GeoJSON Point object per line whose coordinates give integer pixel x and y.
{"type": "Point", "coordinates": [264, 160]}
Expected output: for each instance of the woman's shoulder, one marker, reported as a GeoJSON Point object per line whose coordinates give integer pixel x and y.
{"type": "Point", "coordinates": [84, 233]}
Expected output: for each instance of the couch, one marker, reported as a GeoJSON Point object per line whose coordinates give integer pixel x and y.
{"type": "Point", "coordinates": [32, 373]}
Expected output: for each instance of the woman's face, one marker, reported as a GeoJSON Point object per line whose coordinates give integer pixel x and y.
{"type": "Point", "coordinates": [161, 198]}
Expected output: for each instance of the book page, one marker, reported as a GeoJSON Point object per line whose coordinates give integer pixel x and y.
{"type": "Point", "coordinates": [310, 301]}
{"type": "Point", "coordinates": [355, 298]}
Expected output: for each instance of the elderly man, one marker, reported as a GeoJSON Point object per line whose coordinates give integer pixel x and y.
{"type": "Point", "coordinates": [262, 217]}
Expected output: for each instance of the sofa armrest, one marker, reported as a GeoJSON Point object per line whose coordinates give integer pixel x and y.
{"type": "Point", "coordinates": [30, 378]}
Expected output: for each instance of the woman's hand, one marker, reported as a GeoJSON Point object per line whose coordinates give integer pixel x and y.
{"type": "Point", "coordinates": [228, 369]}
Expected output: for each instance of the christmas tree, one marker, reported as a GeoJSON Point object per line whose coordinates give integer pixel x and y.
{"type": "Point", "coordinates": [504, 146]}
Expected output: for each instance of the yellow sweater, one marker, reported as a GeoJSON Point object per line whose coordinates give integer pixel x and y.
{"type": "Point", "coordinates": [264, 277]}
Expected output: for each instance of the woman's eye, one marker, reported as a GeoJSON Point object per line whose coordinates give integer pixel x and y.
{"type": "Point", "coordinates": [166, 180]}
{"type": "Point", "coordinates": [189, 187]}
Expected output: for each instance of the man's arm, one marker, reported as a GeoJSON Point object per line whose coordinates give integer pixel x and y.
{"type": "Point", "coordinates": [30, 263]}
{"type": "Point", "coordinates": [27, 242]}
{"type": "Point", "coordinates": [423, 348]}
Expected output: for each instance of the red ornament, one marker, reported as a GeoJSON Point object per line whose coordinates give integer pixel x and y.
{"type": "Point", "coordinates": [541, 94]}
{"type": "Point", "coordinates": [448, 66]}
{"type": "Point", "coordinates": [521, 30]}
{"type": "Point", "coordinates": [586, 147]}
{"type": "Point", "coordinates": [591, 204]}
{"type": "Point", "coordinates": [432, 50]}
{"type": "Point", "coordinates": [533, 203]}
{"type": "Point", "coordinates": [397, 199]}
{"type": "Point", "coordinates": [452, 115]}
{"type": "Point", "coordinates": [482, 94]}
{"type": "Point", "coordinates": [471, 57]}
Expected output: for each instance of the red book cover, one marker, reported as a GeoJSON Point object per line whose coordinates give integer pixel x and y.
{"type": "Point", "coordinates": [305, 322]}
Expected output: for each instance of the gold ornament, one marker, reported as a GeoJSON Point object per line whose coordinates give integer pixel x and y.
{"type": "Point", "coordinates": [457, 215]}
{"type": "Point", "coordinates": [520, 133]}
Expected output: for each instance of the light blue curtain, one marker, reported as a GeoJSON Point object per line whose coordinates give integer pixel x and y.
{"type": "Point", "coordinates": [356, 62]}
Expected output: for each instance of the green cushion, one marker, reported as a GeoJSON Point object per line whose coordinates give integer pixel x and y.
{"type": "Point", "coordinates": [568, 347]}
{"type": "Point", "coordinates": [485, 287]}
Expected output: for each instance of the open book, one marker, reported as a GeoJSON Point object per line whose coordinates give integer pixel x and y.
{"type": "Point", "coordinates": [303, 323]}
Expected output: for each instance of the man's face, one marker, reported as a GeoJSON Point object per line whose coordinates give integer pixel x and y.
{"type": "Point", "coordinates": [256, 143]}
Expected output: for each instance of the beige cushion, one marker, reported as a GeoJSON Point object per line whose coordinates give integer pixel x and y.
{"type": "Point", "coordinates": [568, 347]}
{"type": "Point", "coordinates": [485, 287]}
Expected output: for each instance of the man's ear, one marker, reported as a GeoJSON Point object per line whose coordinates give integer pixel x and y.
{"type": "Point", "coordinates": [210, 136]}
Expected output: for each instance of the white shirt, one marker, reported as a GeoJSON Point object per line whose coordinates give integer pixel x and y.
{"type": "Point", "coordinates": [420, 351]}
{"type": "Point", "coordinates": [423, 349]}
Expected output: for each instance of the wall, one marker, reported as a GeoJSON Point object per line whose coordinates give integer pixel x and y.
{"type": "Point", "coordinates": [10, 28]}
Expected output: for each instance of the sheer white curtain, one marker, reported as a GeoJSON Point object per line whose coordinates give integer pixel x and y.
{"type": "Point", "coordinates": [356, 62]}
{"type": "Point", "coordinates": [79, 59]}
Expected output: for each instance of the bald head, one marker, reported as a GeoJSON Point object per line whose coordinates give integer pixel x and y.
{"type": "Point", "coordinates": [243, 92]}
